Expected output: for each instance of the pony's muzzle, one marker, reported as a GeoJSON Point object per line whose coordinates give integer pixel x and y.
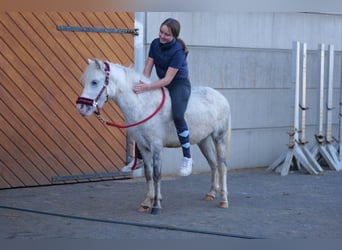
{"type": "Point", "coordinates": [85, 106]}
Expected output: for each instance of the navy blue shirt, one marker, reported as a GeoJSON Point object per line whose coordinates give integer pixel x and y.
{"type": "Point", "coordinates": [169, 55]}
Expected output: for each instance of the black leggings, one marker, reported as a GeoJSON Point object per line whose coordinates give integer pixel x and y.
{"type": "Point", "coordinates": [180, 91]}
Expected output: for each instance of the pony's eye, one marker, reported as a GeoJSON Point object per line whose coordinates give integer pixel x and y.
{"type": "Point", "coordinates": [93, 82]}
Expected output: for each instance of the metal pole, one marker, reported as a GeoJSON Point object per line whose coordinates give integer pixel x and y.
{"type": "Point", "coordinates": [321, 93]}
{"type": "Point", "coordinates": [340, 120]}
{"type": "Point", "coordinates": [295, 81]}
{"type": "Point", "coordinates": [309, 162]}
{"type": "Point", "coordinates": [139, 40]}
{"type": "Point", "coordinates": [298, 155]}
{"type": "Point", "coordinates": [303, 101]}
{"type": "Point", "coordinates": [325, 147]}
{"type": "Point", "coordinates": [330, 94]}
{"type": "Point", "coordinates": [139, 55]}
{"type": "Point", "coordinates": [330, 148]}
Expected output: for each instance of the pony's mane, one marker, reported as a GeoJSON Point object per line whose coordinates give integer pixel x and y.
{"type": "Point", "coordinates": [131, 75]}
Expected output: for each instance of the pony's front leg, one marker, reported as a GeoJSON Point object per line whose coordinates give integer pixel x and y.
{"type": "Point", "coordinates": [157, 182]}
{"type": "Point", "coordinates": [214, 186]}
{"type": "Point", "coordinates": [147, 204]}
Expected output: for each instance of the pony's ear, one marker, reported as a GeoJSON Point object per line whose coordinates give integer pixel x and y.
{"type": "Point", "coordinates": [90, 61]}
{"type": "Point", "coordinates": [98, 64]}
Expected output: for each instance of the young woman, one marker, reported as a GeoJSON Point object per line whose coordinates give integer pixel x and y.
{"type": "Point", "coordinates": [168, 54]}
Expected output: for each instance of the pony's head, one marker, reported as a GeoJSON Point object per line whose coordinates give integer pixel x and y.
{"type": "Point", "coordinates": [95, 80]}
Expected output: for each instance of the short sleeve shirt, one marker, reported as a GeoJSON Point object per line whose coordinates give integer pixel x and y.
{"type": "Point", "coordinates": [169, 55]}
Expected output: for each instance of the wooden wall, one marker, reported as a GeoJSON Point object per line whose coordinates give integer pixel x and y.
{"type": "Point", "coordinates": [42, 135]}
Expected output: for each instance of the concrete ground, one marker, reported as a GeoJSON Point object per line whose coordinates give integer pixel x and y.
{"type": "Point", "coordinates": [262, 205]}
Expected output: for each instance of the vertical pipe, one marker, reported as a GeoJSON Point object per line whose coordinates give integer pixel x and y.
{"type": "Point", "coordinates": [295, 81]}
{"type": "Point", "coordinates": [303, 101]}
{"type": "Point", "coordinates": [139, 49]}
{"type": "Point", "coordinates": [321, 93]}
{"type": "Point", "coordinates": [330, 93]}
{"type": "Point", "coordinates": [340, 114]}
{"type": "Point", "coordinates": [139, 55]}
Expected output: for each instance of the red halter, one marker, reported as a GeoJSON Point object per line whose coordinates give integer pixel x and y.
{"type": "Point", "coordinates": [91, 102]}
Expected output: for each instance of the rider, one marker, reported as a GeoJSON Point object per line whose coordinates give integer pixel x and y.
{"type": "Point", "coordinates": [168, 54]}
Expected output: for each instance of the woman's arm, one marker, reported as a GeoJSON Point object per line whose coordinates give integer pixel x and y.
{"type": "Point", "coordinates": [148, 67]}
{"type": "Point", "coordinates": [170, 74]}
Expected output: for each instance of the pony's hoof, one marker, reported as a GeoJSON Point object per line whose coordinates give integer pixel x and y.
{"type": "Point", "coordinates": [156, 210]}
{"type": "Point", "coordinates": [209, 197]}
{"type": "Point", "coordinates": [223, 204]}
{"type": "Point", "coordinates": [143, 208]}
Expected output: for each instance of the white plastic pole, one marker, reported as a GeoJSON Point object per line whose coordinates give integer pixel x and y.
{"type": "Point", "coordinates": [340, 120]}
{"type": "Point", "coordinates": [330, 94]}
{"type": "Point", "coordinates": [295, 81]}
{"type": "Point", "coordinates": [139, 50]}
{"type": "Point", "coordinates": [321, 92]}
{"type": "Point", "coordinates": [303, 101]}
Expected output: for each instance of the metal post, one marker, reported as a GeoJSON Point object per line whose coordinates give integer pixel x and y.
{"type": "Point", "coordinates": [309, 156]}
{"type": "Point", "coordinates": [139, 55]}
{"type": "Point", "coordinates": [321, 93]}
{"type": "Point", "coordinates": [295, 81]}
{"type": "Point", "coordinates": [303, 101]}
{"type": "Point", "coordinates": [330, 94]}
{"type": "Point", "coordinates": [323, 146]}
{"type": "Point", "coordinates": [139, 49]}
{"type": "Point", "coordinates": [340, 123]}
{"type": "Point", "coordinates": [296, 154]}
{"type": "Point", "coordinates": [331, 149]}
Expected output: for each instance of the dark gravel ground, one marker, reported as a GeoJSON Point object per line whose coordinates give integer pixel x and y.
{"type": "Point", "coordinates": [262, 205]}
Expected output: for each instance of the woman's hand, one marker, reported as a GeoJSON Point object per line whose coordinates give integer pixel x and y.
{"type": "Point", "coordinates": [141, 87]}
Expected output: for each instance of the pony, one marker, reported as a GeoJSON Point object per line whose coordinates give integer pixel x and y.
{"type": "Point", "coordinates": [208, 117]}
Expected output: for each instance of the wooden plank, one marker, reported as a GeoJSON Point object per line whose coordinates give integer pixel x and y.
{"type": "Point", "coordinates": [98, 39]}
{"type": "Point", "coordinates": [29, 158]}
{"type": "Point", "coordinates": [76, 42]}
{"type": "Point", "coordinates": [40, 155]}
{"type": "Point", "coordinates": [17, 114]}
{"type": "Point", "coordinates": [40, 73]}
{"type": "Point", "coordinates": [122, 19]}
{"type": "Point", "coordinates": [33, 117]}
{"type": "Point", "coordinates": [9, 179]}
{"type": "Point", "coordinates": [15, 160]}
{"type": "Point", "coordinates": [42, 169]}
{"type": "Point", "coordinates": [3, 183]}
{"type": "Point", "coordinates": [124, 48]}
{"type": "Point", "coordinates": [59, 67]}
{"type": "Point", "coordinates": [72, 43]}
{"type": "Point", "coordinates": [77, 152]}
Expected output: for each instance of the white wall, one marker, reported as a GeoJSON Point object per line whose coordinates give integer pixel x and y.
{"type": "Point", "coordinates": [247, 56]}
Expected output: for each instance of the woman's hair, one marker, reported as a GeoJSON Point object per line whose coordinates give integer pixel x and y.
{"type": "Point", "coordinates": [174, 27]}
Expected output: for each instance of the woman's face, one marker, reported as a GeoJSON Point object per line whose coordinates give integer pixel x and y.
{"type": "Point", "coordinates": [165, 35]}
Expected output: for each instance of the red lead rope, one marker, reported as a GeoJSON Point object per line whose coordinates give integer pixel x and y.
{"type": "Point", "coordinates": [108, 123]}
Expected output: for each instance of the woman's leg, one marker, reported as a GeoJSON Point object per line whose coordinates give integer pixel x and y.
{"type": "Point", "coordinates": [180, 94]}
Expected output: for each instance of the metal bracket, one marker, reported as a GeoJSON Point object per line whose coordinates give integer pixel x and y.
{"type": "Point", "coordinates": [118, 174]}
{"type": "Point", "coordinates": [134, 32]}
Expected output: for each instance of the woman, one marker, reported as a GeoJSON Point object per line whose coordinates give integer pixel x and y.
{"type": "Point", "coordinates": [168, 54]}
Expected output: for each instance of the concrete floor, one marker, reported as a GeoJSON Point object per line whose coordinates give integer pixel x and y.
{"type": "Point", "coordinates": [262, 205]}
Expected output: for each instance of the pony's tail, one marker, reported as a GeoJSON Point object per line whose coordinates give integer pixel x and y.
{"type": "Point", "coordinates": [229, 134]}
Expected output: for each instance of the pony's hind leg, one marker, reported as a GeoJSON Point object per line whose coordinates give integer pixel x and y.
{"type": "Point", "coordinates": [222, 154]}
{"type": "Point", "coordinates": [207, 148]}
